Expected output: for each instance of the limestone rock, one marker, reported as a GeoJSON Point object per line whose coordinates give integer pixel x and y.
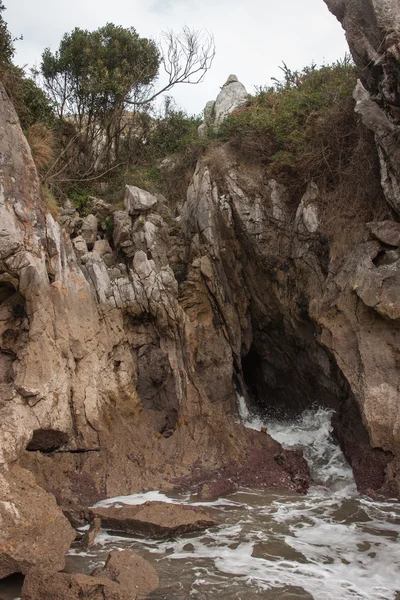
{"type": "Point", "coordinates": [89, 229]}
{"type": "Point", "coordinates": [307, 217]}
{"type": "Point", "coordinates": [80, 246]}
{"type": "Point", "coordinates": [154, 519]}
{"type": "Point", "coordinates": [233, 95]}
{"type": "Point", "coordinates": [40, 584]}
{"type": "Point", "coordinates": [122, 229]}
{"type": "Point", "coordinates": [131, 572]}
{"type": "Point", "coordinates": [138, 201]}
{"type": "Point", "coordinates": [33, 530]}
{"type": "Point", "coordinates": [102, 247]}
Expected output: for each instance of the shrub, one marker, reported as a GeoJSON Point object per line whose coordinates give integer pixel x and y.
{"type": "Point", "coordinates": [80, 198]}
{"type": "Point", "coordinates": [296, 128]}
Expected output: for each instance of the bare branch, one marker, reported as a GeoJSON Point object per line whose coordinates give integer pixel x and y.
{"type": "Point", "coordinates": [186, 58]}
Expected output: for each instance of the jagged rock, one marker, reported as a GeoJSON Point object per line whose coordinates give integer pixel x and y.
{"type": "Point", "coordinates": [232, 96]}
{"type": "Point", "coordinates": [387, 232]}
{"type": "Point", "coordinates": [154, 519]}
{"type": "Point", "coordinates": [122, 230]}
{"type": "Point", "coordinates": [80, 246]}
{"type": "Point", "coordinates": [89, 537]}
{"type": "Point", "coordinates": [138, 201]}
{"type": "Point", "coordinates": [100, 208]}
{"type": "Point", "coordinates": [373, 34]}
{"type": "Point", "coordinates": [102, 247]}
{"type": "Point", "coordinates": [89, 229]}
{"type": "Point", "coordinates": [378, 286]}
{"type": "Point", "coordinates": [40, 584]}
{"type": "Point", "coordinates": [307, 214]}
{"type": "Point", "coordinates": [33, 530]}
{"type": "Point", "coordinates": [131, 572]}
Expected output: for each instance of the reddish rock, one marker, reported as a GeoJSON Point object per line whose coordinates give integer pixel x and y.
{"type": "Point", "coordinates": [154, 519]}
{"type": "Point", "coordinates": [131, 571]}
{"type": "Point", "coordinates": [265, 464]}
{"type": "Point", "coordinates": [369, 464]}
{"type": "Point", "coordinates": [46, 585]}
{"type": "Point", "coordinates": [89, 537]}
{"type": "Point", "coordinates": [33, 530]}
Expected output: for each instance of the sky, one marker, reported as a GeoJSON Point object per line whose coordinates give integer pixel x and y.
{"type": "Point", "coordinates": [252, 37]}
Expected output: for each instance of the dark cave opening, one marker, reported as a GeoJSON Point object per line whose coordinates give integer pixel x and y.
{"type": "Point", "coordinates": [286, 375]}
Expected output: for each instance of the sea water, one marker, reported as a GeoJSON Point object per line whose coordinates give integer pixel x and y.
{"type": "Point", "coordinates": [331, 544]}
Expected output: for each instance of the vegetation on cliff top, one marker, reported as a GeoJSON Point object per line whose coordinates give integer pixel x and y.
{"type": "Point", "coordinates": [85, 139]}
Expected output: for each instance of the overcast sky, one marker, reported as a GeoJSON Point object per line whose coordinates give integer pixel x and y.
{"type": "Point", "coordinates": [252, 37]}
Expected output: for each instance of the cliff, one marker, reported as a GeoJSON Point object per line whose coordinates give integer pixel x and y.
{"type": "Point", "coordinates": [122, 355]}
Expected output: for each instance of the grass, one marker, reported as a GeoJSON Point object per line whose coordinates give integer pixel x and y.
{"type": "Point", "coordinates": [41, 141]}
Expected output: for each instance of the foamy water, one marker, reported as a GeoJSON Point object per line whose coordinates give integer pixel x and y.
{"type": "Point", "coordinates": [329, 545]}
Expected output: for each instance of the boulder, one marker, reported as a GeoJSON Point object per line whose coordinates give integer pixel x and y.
{"type": "Point", "coordinates": [89, 229]}
{"type": "Point", "coordinates": [131, 571]}
{"type": "Point", "coordinates": [137, 200]}
{"type": "Point", "coordinates": [80, 246]}
{"type": "Point", "coordinates": [154, 519]}
{"type": "Point", "coordinates": [33, 530]}
{"type": "Point", "coordinates": [100, 208]}
{"type": "Point", "coordinates": [102, 247]}
{"type": "Point", "coordinates": [122, 229]}
{"type": "Point", "coordinates": [387, 232]}
{"type": "Point", "coordinates": [231, 97]}
{"type": "Point", "coordinates": [40, 584]}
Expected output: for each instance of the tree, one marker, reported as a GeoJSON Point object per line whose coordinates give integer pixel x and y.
{"type": "Point", "coordinates": [6, 41]}
{"type": "Point", "coordinates": [94, 76]}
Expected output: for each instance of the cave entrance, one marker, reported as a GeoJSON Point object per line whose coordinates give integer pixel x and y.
{"type": "Point", "coordinates": [285, 375]}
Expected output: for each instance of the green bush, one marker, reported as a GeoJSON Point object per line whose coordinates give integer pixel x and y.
{"type": "Point", "coordinates": [80, 198]}
{"type": "Point", "coordinates": [296, 126]}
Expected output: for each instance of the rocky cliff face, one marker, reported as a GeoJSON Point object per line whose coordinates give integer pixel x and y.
{"type": "Point", "coordinates": [122, 356]}
{"type": "Point", "coordinates": [119, 362]}
{"type": "Point", "coordinates": [373, 33]}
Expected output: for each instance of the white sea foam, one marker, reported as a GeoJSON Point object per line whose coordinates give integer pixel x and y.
{"type": "Point", "coordinates": [135, 499]}
{"type": "Point", "coordinates": [331, 543]}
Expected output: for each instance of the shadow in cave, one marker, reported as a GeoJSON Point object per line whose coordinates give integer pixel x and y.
{"type": "Point", "coordinates": [285, 375]}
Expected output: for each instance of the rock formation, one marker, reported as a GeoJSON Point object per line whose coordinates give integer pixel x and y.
{"type": "Point", "coordinates": [122, 353]}
{"type": "Point", "coordinates": [232, 96]}
{"type": "Point", "coordinates": [373, 33]}
{"type": "Point", "coordinates": [118, 362]}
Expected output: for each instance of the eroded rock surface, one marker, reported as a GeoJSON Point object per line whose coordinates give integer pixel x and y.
{"type": "Point", "coordinates": [33, 530]}
{"type": "Point", "coordinates": [122, 352]}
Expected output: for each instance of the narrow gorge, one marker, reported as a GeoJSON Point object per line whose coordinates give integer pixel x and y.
{"type": "Point", "coordinates": [127, 352]}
